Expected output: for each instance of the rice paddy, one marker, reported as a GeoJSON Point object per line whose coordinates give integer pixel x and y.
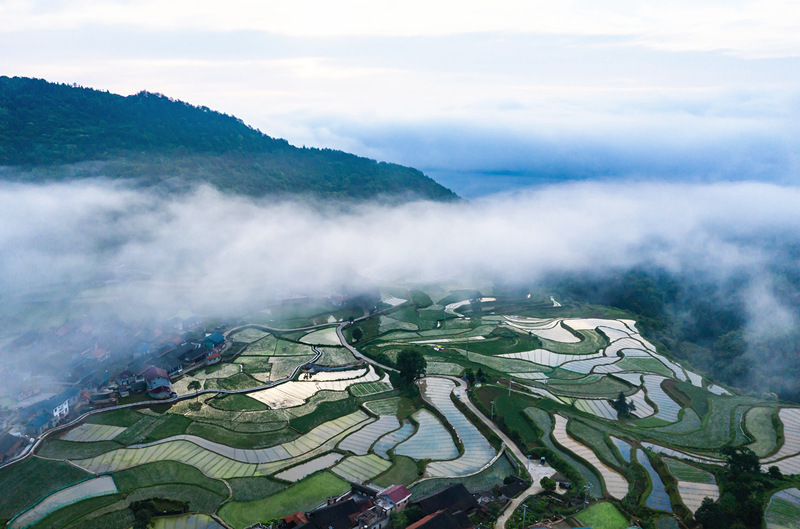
{"type": "Point", "coordinates": [305, 431]}
{"type": "Point", "coordinates": [81, 491]}
{"type": "Point", "coordinates": [783, 510]}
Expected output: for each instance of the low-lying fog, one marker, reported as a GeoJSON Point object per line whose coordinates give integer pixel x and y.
{"type": "Point", "coordinates": [208, 252]}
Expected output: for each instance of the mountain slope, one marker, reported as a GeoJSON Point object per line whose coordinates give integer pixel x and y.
{"type": "Point", "coordinates": [46, 126]}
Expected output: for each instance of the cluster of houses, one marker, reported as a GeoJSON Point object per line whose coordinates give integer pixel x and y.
{"type": "Point", "coordinates": [102, 372]}
{"type": "Point", "coordinates": [365, 508]}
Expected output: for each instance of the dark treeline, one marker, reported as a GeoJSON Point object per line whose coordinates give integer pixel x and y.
{"type": "Point", "coordinates": [710, 323]}
{"type": "Point", "coordinates": [154, 138]}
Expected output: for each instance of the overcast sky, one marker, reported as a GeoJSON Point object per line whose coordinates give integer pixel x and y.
{"type": "Point", "coordinates": [480, 95]}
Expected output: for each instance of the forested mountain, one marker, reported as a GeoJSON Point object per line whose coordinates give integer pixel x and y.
{"type": "Point", "coordinates": [55, 131]}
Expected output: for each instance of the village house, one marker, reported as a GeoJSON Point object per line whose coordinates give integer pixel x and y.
{"type": "Point", "coordinates": [394, 498]}
{"type": "Point", "coordinates": [158, 383]}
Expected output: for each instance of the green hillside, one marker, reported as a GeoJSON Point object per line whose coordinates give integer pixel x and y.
{"type": "Point", "coordinates": [53, 131]}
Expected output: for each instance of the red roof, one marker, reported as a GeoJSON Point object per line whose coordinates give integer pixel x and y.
{"type": "Point", "coordinates": [396, 493]}
{"type": "Point", "coordinates": [154, 372]}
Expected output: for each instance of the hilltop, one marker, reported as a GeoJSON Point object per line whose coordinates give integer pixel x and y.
{"type": "Point", "coordinates": [52, 131]}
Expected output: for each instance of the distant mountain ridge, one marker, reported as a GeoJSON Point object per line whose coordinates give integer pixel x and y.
{"type": "Point", "coordinates": [54, 131]}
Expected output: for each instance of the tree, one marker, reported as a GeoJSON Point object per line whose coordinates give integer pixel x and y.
{"type": "Point", "coordinates": [411, 365]}
{"type": "Point", "coordinates": [194, 385]}
{"type": "Point", "coordinates": [470, 376]}
{"type": "Point", "coordinates": [548, 484]}
{"type": "Point", "coordinates": [740, 460]}
{"type": "Point", "coordinates": [710, 515]}
{"type": "Point", "coordinates": [775, 472]}
{"type": "Point", "coordinates": [622, 406]}
{"type": "Point", "coordinates": [357, 334]}
{"type": "Point", "coordinates": [481, 375]}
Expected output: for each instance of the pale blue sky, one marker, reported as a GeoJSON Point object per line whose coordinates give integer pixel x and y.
{"type": "Point", "coordinates": [464, 91]}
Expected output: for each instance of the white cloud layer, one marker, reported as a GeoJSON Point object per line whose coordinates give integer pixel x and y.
{"type": "Point", "coordinates": [206, 251]}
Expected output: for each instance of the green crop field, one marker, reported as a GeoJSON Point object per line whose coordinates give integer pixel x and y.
{"type": "Point", "coordinates": [605, 387]}
{"type": "Point", "coordinates": [255, 488]}
{"type": "Point", "coordinates": [301, 496]}
{"type": "Point", "coordinates": [594, 439]}
{"type": "Point", "coordinates": [759, 423]}
{"type": "Point", "coordinates": [237, 403]}
{"type": "Point", "coordinates": [686, 472]}
{"type": "Point", "coordinates": [403, 472]}
{"type": "Point", "coordinates": [164, 472]}
{"type": "Point", "coordinates": [335, 356]}
{"type": "Point", "coordinates": [369, 388]}
{"type": "Point", "coordinates": [644, 364]}
{"type": "Point", "coordinates": [484, 480]}
{"type": "Point", "coordinates": [265, 346]}
{"type": "Point", "coordinates": [42, 477]}
{"type": "Point", "coordinates": [602, 516]}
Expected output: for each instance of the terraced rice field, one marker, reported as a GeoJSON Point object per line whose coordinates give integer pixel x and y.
{"type": "Point", "coordinates": [783, 510]}
{"type": "Point", "coordinates": [544, 357]}
{"type": "Point", "coordinates": [443, 368]}
{"type": "Point", "coordinates": [694, 484]}
{"type": "Point", "coordinates": [667, 408]}
{"type": "Point", "coordinates": [296, 392]}
{"type": "Point", "coordinates": [325, 336]}
{"type": "Point", "coordinates": [187, 521]}
{"type": "Point", "coordinates": [547, 329]}
{"type": "Point", "coordinates": [597, 407]}
{"type": "Point", "coordinates": [616, 485]}
{"type": "Point", "coordinates": [790, 417]}
{"type": "Point", "coordinates": [360, 441]}
{"type": "Point", "coordinates": [221, 461]}
{"type": "Point", "coordinates": [658, 498]}
{"type": "Point", "coordinates": [383, 406]}
{"type": "Point", "coordinates": [477, 450]}
{"type": "Point", "coordinates": [664, 451]}
{"type": "Point", "coordinates": [248, 335]}
{"type": "Point", "coordinates": [431, 432]}
{"type": "Point", "coordinates": [623, 447]}
{"type": "Point", "coordinates": [392, 439]}
{"type": "Point", "coordinates": [85, 489]}
{"type": "Point", "coordinates": [369, 388]}
{"type": "Point", "coordinates": [298, 472]}
{"type": "Point", "coordinates": [89, 433]}
{"type": "Point", "coordinates": [759, 423]}
{"type": "Point", "coordinates": [358, 469]}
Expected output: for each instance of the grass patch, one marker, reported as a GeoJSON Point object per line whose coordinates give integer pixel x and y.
{"type": "Point", "coordinates": [255, 488]}
{"type": "Point", "coordinates": [325, 411]}
{"type": "Point", "coordinates": [485, 480]}
{"type": "Point", "coordinates": [239, 439]}
{"type": "Point", "coordinates": [199, 499]}
{"type": "Point", "coordinates": [237, 403]}
{"type": "Point", "coordinates": [41, 478]}
{"type": "Point", "coordinates": [75, 512]}
{"type": "Point", "coordinates": [602, 516]}
{"type": "Point", "coordinates": [403, 472]}
{"type": "Point", "coordinates": [60, 449]}
{"type": "Point", "coordinates": [124, 417]}
{"type": "Point", "coordinates": [238, 381]}
{"type": "Point", "coordinates": [164, 472]}
{"type": "Point", "coordinates": [301, 496]}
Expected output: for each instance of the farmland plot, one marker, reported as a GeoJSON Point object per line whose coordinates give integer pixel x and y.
{"type": "Point", "coordinates": [370, 388]}
{"type": "Point", "coordinates": [759, 423]}
{"type": "Point", "coordinates": [358, 469]}
{"type": "Point", "coordinates": [477, 450]}
{"type": "Point", "coordinates": [335, 356]}
{"type": "Point", "coordinates": [85, 489]}
{"type": "Point", "coordinates": [88, 433]}
{"type": "Point", "coordinates": [664, 451]}
{"type": "Point", "coordinates": [549, 331]}
{"type": "Point", "coordinates": [248, 335]}
{"type": "Point", "coordinates": [546, 358]}
{"type": "Point", "coordinates": [790, 417]}
{"type": "Point", "coordinates": [187, 521]}
{"type": "Point", "coordinates": [296, 473]}
{"type": "Point", "coordinates": [623, 447]}
{"type": "Point", "coordinates": [263, 346]}
{"type": "Point", "coordinates": [658, 498]}
{"type": "Point", "coordinates": [284, 366]}
{"type": "Point", "coordinates": [390, 324]}
{"type": "Point", "coordinates": [325, 336]}
{"type": "Point", "coordinates": [296, 392]}
{"type": "Point", "coordinates": [431, 432]}
{"type": "Point", "coordinates": [545, 423]}
{"type": "Point", "coordinates": [383, 406]}
{"type": "Point", "coordinates": [667, 408]}
{"type": "Point", "coordinates": [221, 461]}
{"type": "Point", "coordinates": [616, 485]}
{"type": "Point", "coordinates": [598, 407]}
{"type": "Point", "coordinates": [694, 484]}
{"type": "Point", "coordinates": [783, 511]}
{"type": "Point", "coordinates": [392, 439]}
{"type": "Point", "coordinates": [359, 442]}
{"type": "Point", "coordinates": [443, 368]}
